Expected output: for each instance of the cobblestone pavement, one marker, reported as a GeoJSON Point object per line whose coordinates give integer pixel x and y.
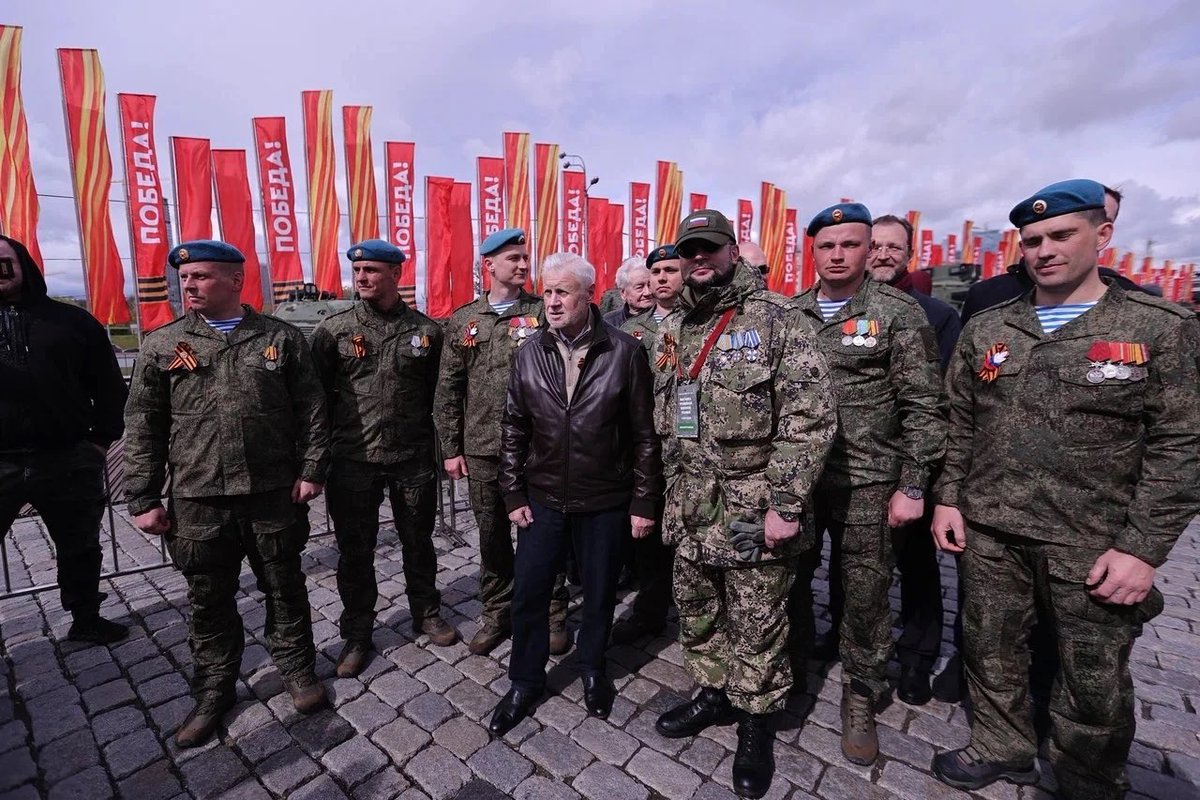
{"type": "Point", "coordinates": [95, 722]}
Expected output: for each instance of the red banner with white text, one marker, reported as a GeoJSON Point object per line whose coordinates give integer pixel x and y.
{"type": "Point", "coordinates": [597, 242]}
{"type": "Point", "coordinates": [639, 219]}
{"type": "Point", "coordinates": [547, 200]}
{"type": "Point", "coordinates": [745, 220]}
{"type": "Point", "coordinates": [925, 255]}
{"type": "Point", "coordinates": [144, 200]}
{"type": "Point", "coordinates": [808, 267]}
{"type": "Point", "coordinates": [398, 159]}
{"type": "Point", "coordinates": [191, 163]}
{"type": "Point", "coordinates": [91, 173]}
{"type": "Point", "coordinates": [277, 185]}
{"type": "Point", "coordinates": [489, 173]}
{"type": "Point", "coordinates": [574, 210]}
{"type": "Point", "coordinates": [951, 248]}
{"type": "Point", "coordinates": [235, 212]}
{"type": "Point", "coordinates": [324, 216]}
{"type": "Point", "coordinates": [19, 209]}
{"type": "Point", "coordinates": [360, 173]}
{"type": "Point", "coordinates": [791, 276]}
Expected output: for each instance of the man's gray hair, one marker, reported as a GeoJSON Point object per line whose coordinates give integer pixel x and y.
{"type": "Point", "coordinates": [628, 266]}
{"type": "Point", "coordinates": [571, 264]}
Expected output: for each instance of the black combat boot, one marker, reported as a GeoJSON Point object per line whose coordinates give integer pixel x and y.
{"type": "Point", "coordinates": [966, 769]}
{"type": "Point", "coordinates": [754, 762]}
{"type": "Point", "coordinates": [710, 707]}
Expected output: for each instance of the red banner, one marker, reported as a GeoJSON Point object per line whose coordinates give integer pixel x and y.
{"type": "Point", "coordinates": [191, 162]}
{"type": "Point", "coordinates": [790, 234]}
{"type": "Point", "coordinates": [697, 201]}
{"type": "Point", "coordinates": [277, 186]}
{"type": "Point", "coordinates": [639, 219]}
{"type": "Point", "coordinates": [91, 171]}
{"type": "Point", "coordinates": [143, 196]}
{"type": "Point", "coordinates": [925, 260]}
{"type": "Point", "coordinates": [937, 256]}
{"type": "Point", "coordinates": [951, 249]}
{"type": "Point", "coordinates": [462, 247]}
{"type": "Point", "coordinates": [808, 267]}
{"type": "Point", "coordinates": [976, 249]}
{"type": "Point", "coordinates": [360, 173]}
{"type": "Point", "coordinates": [401, 228]}
{"type": "Point", "coordinates": [18, 196]}
{"type": "Point", "coordinates": [745, 220]}
{"type": "Point", "coordinates": [490, 174]}
{"type": "Point", "coordinates": [668, 202]}
{"type": "Point", "coordinates": [597, 242]}
{"type": "Point", "coordinates": [989, 265]}
{"type": "Point", "coordinates": [516, 175]}
{"type": "Point", "coordinates": [970, 253]}
{"type": "Point", "coordinates": [574, 208]}
{"type": "Point", "coordinates": [772, 236]}
{"type": "Point", "coordinates": [235, 212]}
{"type": "Point", "coordinates": [616, 238]}
{"type": "Point", "coordinates": [547, 200]}
{"type": "Point", "coordinates": [439, 240]}
{"type": "Point", "coordinates": [324, 216]}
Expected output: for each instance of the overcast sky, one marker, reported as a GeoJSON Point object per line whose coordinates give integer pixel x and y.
{"type": "Point", "coordinates": [956, 109]}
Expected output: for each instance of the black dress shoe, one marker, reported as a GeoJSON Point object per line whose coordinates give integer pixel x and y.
{"type": "Point", "coordinates": [512, 708]}
{"type": "Point", "coordinates": [710, 707]}
{"type": "Point", "coordinates": [914, 686]}
{"type": "Point", "coordinates": [966, 769]}
{"type": "Point", "coordinates": [754, 762]}
{"type": "Point", "coordinates": [96, 629]}
{"type": "Point", "coordinates": [948, 684]}
{"type": "Point", "coordinates": [598, 695]}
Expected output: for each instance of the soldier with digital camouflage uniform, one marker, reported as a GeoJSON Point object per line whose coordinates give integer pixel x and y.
{"type": "Point", "coordinates": [1073, 465]}
{"type": "Point", "coordinates": [229, 400]}
{"type": "Point", "coordinates": [883, 357]}
{"type": "Point", "coordinates": [378, 362]}
{"type": "Point", "coordinates": [481, 338]}
{"type": "Point", "coordinates": [745, 407]}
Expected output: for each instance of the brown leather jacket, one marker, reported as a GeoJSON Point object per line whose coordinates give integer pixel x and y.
{"type": "Point", "coordinates": [598, 451]}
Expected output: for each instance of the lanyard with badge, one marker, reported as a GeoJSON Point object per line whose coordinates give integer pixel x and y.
{"type": "Point", "coordinates": [687, 391]}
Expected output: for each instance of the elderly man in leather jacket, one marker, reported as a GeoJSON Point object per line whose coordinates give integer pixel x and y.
{"type": "Point", "coordinates": [579, 460]}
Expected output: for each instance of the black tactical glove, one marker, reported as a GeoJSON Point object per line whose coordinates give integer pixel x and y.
{"type": "Point", "coordinates": [748, 540]}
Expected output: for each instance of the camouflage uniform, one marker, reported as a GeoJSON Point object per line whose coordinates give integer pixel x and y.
{"type": "Point", "coordinates": [1051, 464]}
{"type": "Point", "coordinates": [891, 434]}
{"type": "Point", "coordinates": [610, 301]}
{"type": "Point", "coordinates": [380, 371]}
{"type": "Point", "coordinates": [766, 422]}
{"type": "Point", "coordinates": [238, 418]}
{"type": "Point", "coordinates": [467, 409]}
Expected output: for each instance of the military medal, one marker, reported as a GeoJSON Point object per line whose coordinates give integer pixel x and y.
{"type": "Point", "coordinates": [360, 345]}
{"type": "Point", "coordinates": [419, 344]}
{"type": "Point", "coordinates": [860, 332]}
{"type": "Point", "coordinates": [996, 355]}
{"type": "Point", "coordinates": [667, 359]}
{"type": "Point", "coordinates": [470, 333]}
{"type": "Point", "coordinates": [184, 357]}
{"type": "Point", "coordinates": [848, 331]}
{"type": "Point", "coordinates": [271, 354]}
{"type": "Point", "coordinates": [521, 328]}
{"type": "Point", "coordinates": [637, 335]}
{"type": "Point", "coordinates": [1096, 373]}
{"type": "Point", "coordinates": [1120, 361]}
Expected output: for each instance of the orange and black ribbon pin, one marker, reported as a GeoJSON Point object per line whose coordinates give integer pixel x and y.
{"type": "Point", "coordinates": [360, 345]}
{"type": "Point", "coordinates": [184, 357]}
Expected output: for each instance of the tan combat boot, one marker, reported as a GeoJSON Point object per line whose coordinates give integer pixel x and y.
{"type": "Point", "coordinates": [859, 742]}
{"type": "Point", "coordinates": [438, 630]}
{"type": "Point", "coordinates": [560, 640]}
{"type": "Point", "coordinates": [353, 658]}
{"type": "Point", "coordinates": [203, 720]}
{"type": "Point", "coordinates": [308, 694]}
{"type": "Point", "coordinates": [487, 638]}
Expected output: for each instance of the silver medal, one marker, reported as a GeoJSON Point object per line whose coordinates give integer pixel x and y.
{"type": "Point", "coordinates": [847, 340]}
{"type": "Point", "coordinates": [752, 355]}
{"type": "Point", "coordinates": [859, 341]}
{"type": "Point", "coordinates": [1109, 370]}
{"type": "Point", "coordinates": [870, 341]}
{"type": "Point", "coordinates": [1095, 375]}
{"type": "Point", "coordinates": [271, 366]}
{"type": "Point", "coordinates": [1123, 372]}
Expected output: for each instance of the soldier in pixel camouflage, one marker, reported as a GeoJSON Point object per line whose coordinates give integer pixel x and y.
{"type": "Point", "coordinates": [1073, 465]}
{"type": "Point", "coordinates": [884, 360]}
{"type": "Point", "coordinates": [229, 400]}
{"type": "Point", "coordinates": [378, 362]}
{"type": "Point", "coordinates": [745, 406]}
{"type": "Point", "coordinates": [481, 338]}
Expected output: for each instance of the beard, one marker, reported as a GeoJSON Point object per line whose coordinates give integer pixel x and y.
{"type": "Point", "coordinates": [886, 273]}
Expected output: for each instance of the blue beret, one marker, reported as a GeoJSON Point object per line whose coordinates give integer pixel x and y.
{"type": "Point", "coordinates": [839, 215]}
{"type": "Point", "coordinates": [375, 250]}
{"type": "Point", "coordinates": [664, 253]}
{"type": "Point", "coordinates": [204, 250]}
{"type": "Point", "coordinates": [1064, 197]}
{"type": "Point", "coordinates": [501, 239]}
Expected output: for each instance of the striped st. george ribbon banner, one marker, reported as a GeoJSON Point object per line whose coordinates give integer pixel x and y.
{"type": "Point", "coordinates": [323, 213]}
{"type": "Point", "coordinates": [547, 200]}
{"type": "Point", "coordinates": [19, 208]}
{"type": "Point", "coordinates": [360, 173]}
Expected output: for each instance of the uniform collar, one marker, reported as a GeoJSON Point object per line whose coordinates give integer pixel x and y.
{"type": "Point", "coordinates": [250, 326]}
{"type": "Point", "coordinates": [372, 317]}
{"type": "Point", "coordinates": [855, 306]}
{"type": "Point", "coordinates": [522, 304]}
{"type": "Point", "coordinates": [1021, 314]}
{"type": "Point", "coordinates": [746, 281]}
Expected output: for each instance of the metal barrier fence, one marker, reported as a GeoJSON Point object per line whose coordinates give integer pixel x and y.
{"type": "Point", "coordinates": [114, 485]}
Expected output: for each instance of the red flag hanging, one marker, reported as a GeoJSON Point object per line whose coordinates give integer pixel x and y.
{"type": "Point", "coordinates": [745, 220]}
{"type": "Point", "coordinates": [790, 234]}
{"type": "Point", "coordinates": [91, 171]}
{"type": "Point", "coordinates": [937, 256]}
{"type": "Point", "coordinates": [547, 200]}
{"type": "Point", "coordinates": [639, 219]}
{"type": "Point", "coordinates": [597, 242]}
{"type": "Point", "coordinates": [18, 200]}
{"type": "Point", "coordinates": [277, 186]}
{"type": "Point", "coordinates": [235, 211]}
{"type": "Point", "coordinates": [147, 223]}
{"type": "Point", "coordinates": [324, 216]}
{"type": "Point", "coordinates": [808, 267]}
{"type": "Point", "coordinates": [669, 202]}
{"type": "Point", "coordinates": [462, 246]}
{"type": "Point", "coordinates": [697, 201]}
{"type": "Point", "coordinates": [439, 239]}
{"type": "Point", "coordinates": [191, 162]}
{"type": "Point", "coordinates": [574, 207]}
{"type": "Point", "coordinates": [925, 258]}
{"type": "Point", "coordinates": [970, 254]}
{"type": "Point", "coordinates": [951, 249]}
{"type": "Point", "coordinates": [360, 173]}
{"type": "Point", "coordinates": [616, 237]}
{"type": "Point", "coordinates": [516, 172]}
{"type": "Point", "coordinates": [772, 235]}
{"type": "Point", "coordinates": [490, 174]}
{"type": "Point", "coordinates": [401, 229]}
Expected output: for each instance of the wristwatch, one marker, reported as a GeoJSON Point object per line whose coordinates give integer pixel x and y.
{"type": "Point", "coordinates": [912, 492]}
{"type": "Point", "coordinates": [788, 516]}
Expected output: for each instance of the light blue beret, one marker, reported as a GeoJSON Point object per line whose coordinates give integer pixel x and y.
{"type": "Point", "coordinates": [501, 239]}
{"type": "Point", "coordinates": [1064, 197]}
{"type": "Point", "coordinates": [839, 215]}
{"type": "Point", "coordinates": [375, 250]}
{"type": "Point", "coordinates": [204, 250]}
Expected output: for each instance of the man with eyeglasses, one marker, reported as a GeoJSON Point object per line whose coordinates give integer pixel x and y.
{"type": "Point", "coordinates": [744, 406]}
{"type": "Point", "coordinates": [884, 361]}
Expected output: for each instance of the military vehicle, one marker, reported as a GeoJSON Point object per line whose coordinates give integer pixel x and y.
{"type": "Point", "coordinates": [951, 281]}
{"type": "Point", "coordinates": [307, 306]}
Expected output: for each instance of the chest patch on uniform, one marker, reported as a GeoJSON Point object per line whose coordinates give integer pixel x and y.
{"type": "Point", "coordinates": [271, 357]}
{"type": "Point", "coordinates": [860, 332]}
{"type": "Point", "coordinates": [185, 358]}
{"type": "Point", "coordinates": [996, 355]}
{"type": "Point", "coordinates": [1121, 361]}
{"type": "Point", "coordinates": [360, 345]}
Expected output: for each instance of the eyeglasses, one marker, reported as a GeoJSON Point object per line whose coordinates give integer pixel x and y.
{"type": "Point", "coordinates": [888, 248]}
{"type": "Point", "coordinates": [696, 246]}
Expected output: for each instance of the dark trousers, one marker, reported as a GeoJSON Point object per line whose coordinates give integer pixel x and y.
{"type": "Point", "coordinates": [652, 565]}
{"type": "Point", "coordinates": [920, 639]}
{"type": "Point", "coordinates": [354, 493]}
{"type": "Point", "coordinates": [596, 538]}
{"type": "Point", "coordinates": [66, 486]}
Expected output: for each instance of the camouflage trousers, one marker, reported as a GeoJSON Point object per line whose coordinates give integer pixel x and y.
{"type": "Point", "coordinates": [209, 538]}
{"type": "Point", "coordinates": [354, 493]}
{"type": "Point", "coordinates": [496, 550]}
{"type": "Point", "coordinates": [858, 531]}
{"type": "Point", "coordinates": [1005, 579]}
{"type": "Point", "coordinates": [734, 631]}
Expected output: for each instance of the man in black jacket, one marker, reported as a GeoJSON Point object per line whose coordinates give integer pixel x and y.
{"type": "Point", "coordinates": [579, 459]}
{"type": "Point", "coordinates": [61, 407]}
